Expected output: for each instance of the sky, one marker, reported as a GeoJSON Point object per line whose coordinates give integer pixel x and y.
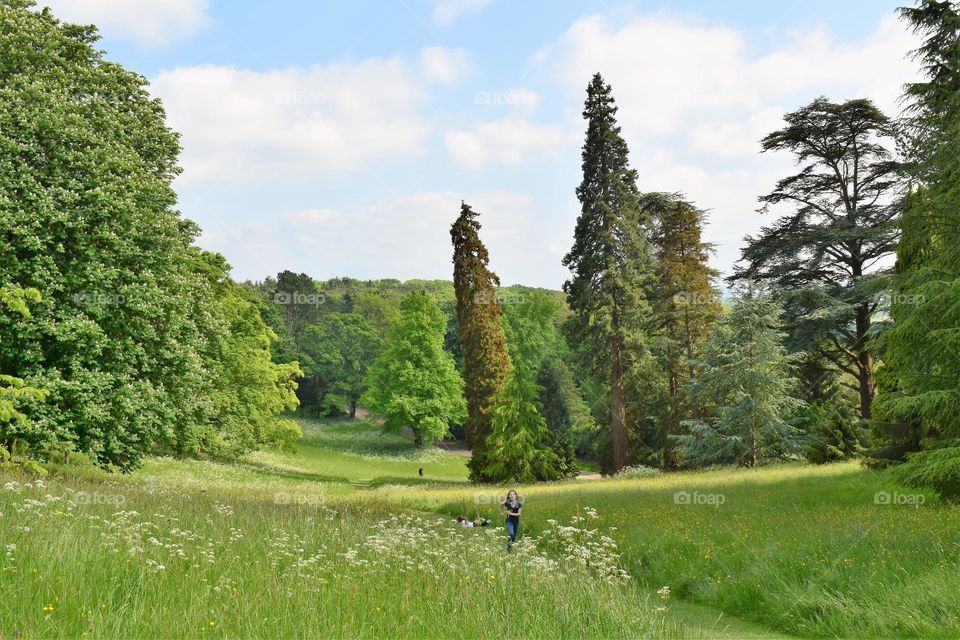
{"type": "Point", "coordinates": [338, 138]}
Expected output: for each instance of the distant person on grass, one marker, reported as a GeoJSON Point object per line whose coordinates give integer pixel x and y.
{"type": "Point", "coordinates": [479, 522]}
{"type": "Point", "coordinates": [513, 508]}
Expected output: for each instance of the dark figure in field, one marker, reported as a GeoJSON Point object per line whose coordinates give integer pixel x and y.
{"type": "Point", "coordinates": [479, 522]}
{"type": "Point", "coordinates": [513, 508]}
{"type": "Point", "coordinates": [421, 472]}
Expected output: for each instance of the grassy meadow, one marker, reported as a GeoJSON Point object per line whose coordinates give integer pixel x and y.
{"type": "Point", "coordinates": [343, 538]}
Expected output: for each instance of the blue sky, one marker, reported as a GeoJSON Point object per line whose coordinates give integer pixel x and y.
{"type": "Point", "coordinates": [338, 138]}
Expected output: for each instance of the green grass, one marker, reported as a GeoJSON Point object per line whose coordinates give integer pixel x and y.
{"type": "Point", "coordinates": [343, 538]}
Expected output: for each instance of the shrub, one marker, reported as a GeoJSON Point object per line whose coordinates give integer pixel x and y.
{"type": "Point", "coordinates": [936, 469]}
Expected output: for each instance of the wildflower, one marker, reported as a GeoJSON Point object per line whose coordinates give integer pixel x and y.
{"type": "Point", "coordinates": [664, 592]}
{"type": "Point", "coordinates": [48, 609]}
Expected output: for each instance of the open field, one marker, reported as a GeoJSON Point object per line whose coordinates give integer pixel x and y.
{"type": "Point", "coordinates": [342, 538]}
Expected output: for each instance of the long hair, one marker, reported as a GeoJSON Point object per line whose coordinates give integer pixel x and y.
{"type": "Point", "coordinates": [515, 495]}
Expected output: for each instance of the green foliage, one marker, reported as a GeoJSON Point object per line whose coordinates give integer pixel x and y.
{"type": "Point", "coordinates": [610, 261]}
{"type": "Point", "coordinates": [557, 398]}
{"type": "Point", "coordinates": [685, 307]}
{"type": "Point", "coordinates": [935, 469]}
{"type": "Point", "coordinates": [518, 447]}
{"type": "Point", "coordinates": [919, 401]}
{"type": "Point", "coordinates": [836, 434]}
{"type": "Point", "coordinates": [482, 343]}
{"type": "Point", "coordinates": [140, 340]}
{"type": "Point", "coordinates": [844, 222]}
{"type": "Point", "coordinates": [414, 383]}
{"type": "Point", "coordinates": [14, 393]}
{"type": "Point", "coordinates": [747, 376]}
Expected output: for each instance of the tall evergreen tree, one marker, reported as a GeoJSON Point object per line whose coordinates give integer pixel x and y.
{"type": "Point", "coordinates": [685, 306]}
{"type": "Point", "coordinates": [610, 261]}
{"type": "Point", "coordinates": [844, 224]}
{"type": "Point", "coordinates": [747, 375]}
{"type": "Point", "coordinates": [484, 349]}
{"type": "Point", "coordinates": [921, 382]}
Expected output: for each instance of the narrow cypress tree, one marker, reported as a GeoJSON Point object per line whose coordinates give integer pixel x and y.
{"type": "Point", "coordinates": [485, 359]}
{"type": "Point", "coordinates": [610, 261]}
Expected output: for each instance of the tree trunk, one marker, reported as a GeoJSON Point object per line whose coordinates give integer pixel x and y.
{"type": "Point", "coordinates": [417, 439]}
{"type": "Point", "coordinates": [618, 413]}
{"type": "Point", "coordinates": [353, 408]}
{"type": "Point", "coordinates": [864, 363]}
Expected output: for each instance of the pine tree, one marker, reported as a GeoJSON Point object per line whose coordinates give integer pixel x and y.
{"type": "Point", "coordinates": [414, 382]}
{"type": "Point", "coordinates": [610, 261]}
{"type": "Point", "coordinates": [685, 306]}
{"type": "Point", "coordinates": [484, 349]}
{"type": "Point", "coordinates": [517, 447]}
{"type": "Point", "coordinates": [747, 375]}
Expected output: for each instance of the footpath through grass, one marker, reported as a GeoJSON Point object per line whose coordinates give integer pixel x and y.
{"type": "Point", "coordinates": [343, 538]}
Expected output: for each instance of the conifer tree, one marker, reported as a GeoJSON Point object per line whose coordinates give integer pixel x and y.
{"type": "Point", "coordinates": [921, 382]}
{"type": "Point", "coordinates": [686, 305]}
{"type": "Point", "coordinates": [517, 447]}
{"type": "Point", "coordinates": [484, 349]}
{"type": "Point", "coordinates": [842, 227]}
{"type": "Point", "coordinates": [610, 261]}
{"type": "Point", "coordinates": [747, 375]}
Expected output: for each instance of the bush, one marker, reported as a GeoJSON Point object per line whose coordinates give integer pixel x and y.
{"type": "Point", "coordinates": [833, 426]}
{"type": "Point", "coordinates": [637, 471]}
{"type": "Point", "coordinates": [936, 469]}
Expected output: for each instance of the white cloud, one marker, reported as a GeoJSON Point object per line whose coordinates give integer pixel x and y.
{"type": "Point", "coordinates": [508, 142]}
{"type": "Point", "coordinates": [287, 124]}
{"type": "Point", "coordinates": [150, 22]}
{"type": "Point", "coordinates": [404, 237]}
{"type": "Point", "coordinates": [445, 12]}
{"type": "Point", "coordinates": [443, 65]}
{"type": "Point", "coordinates": [696, 99]}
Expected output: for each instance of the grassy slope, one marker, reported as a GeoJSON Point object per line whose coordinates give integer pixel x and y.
{"type": "Point", "coordinates": [799, 549]}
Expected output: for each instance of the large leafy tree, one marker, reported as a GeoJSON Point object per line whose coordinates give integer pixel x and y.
{"type": "Point", "coordinates": [482, 344]}
{"type": "Point", "coordinates": [122, 338]}
{"type": "Point", "coordinates": [341, 347]}
{"type": "Point", "coordinates": [685, 306]}
{"type": "Point", "coordinates": [414, 382]}
{"type": "Point", "coordinates": [747, 376]}
{"type": "Point", "coordinates": [610, 261]}
{"type": "Point", "coordinates": [843, 225]}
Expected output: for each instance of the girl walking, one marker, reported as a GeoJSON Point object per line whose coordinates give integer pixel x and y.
{"type": "Point", "coordinates": [513, 508]}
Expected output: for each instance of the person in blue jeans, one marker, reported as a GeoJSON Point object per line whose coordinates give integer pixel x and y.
{"type": "Point", "coordinates": [513, 508]}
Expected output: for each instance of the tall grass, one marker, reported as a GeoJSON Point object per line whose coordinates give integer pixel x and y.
{"type": "Point", "coordinates": [812, 551]}
{"type": "Point", "coordinates": [115, 561]}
